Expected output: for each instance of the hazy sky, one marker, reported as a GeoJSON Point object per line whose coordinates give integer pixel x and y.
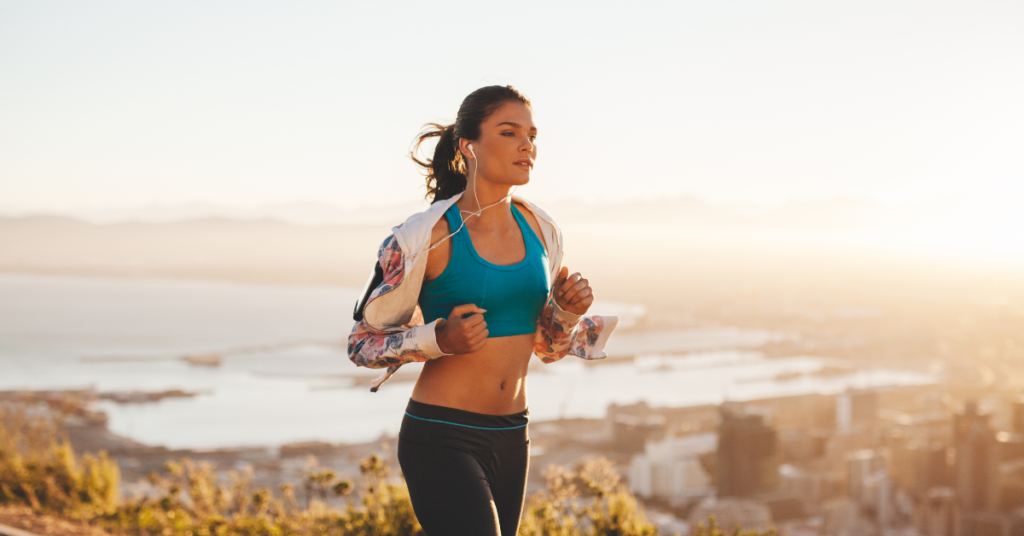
{"type": "Point", "coordinates": [247, 103]}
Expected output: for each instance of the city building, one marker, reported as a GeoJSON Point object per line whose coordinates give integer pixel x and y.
{"type": "Point", "coordinates": [856, 408]}
{"type": "Point", "coordinates": [810, 487]}
{"type": "Point", "coordinates": [841, 517]}
{"type": "Point", "coordinates": [860, 466]}
{"type": "Point", "coordinates": [918, 467]}
{"type": "Point", "coordinates": [977, 481]}
{"type": "Point", "coordinates": [1018, 415]}
{"type": "Point", "coordinates": [672, 468]}
{"type": "Point", "coordinates": [935, 513]}
{"type": "Point", "coordinates": [730, 513]}
{"type": "Point", "coordinates": [748, 457]}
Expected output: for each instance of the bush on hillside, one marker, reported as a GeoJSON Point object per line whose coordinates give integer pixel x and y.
{"type": "Point", "coordinates": [588, 501]}
{"type": "Point", "coordinates": [711, 529]}
{"type": "Point", "coordinates": [39, 470]}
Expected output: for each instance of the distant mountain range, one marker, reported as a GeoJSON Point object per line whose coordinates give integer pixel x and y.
{"type": "Point", "coordinates": [830, 212]}
{"type": "Point", "coordinates": [318, 243]}
{"type": "Point", "coordinates": [298, 212]}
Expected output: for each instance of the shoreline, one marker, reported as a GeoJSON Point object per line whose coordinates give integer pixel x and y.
{"type": "Point", "coordinates": [179, 420]}
{"type": "Point", "coordinates": [86, 430]}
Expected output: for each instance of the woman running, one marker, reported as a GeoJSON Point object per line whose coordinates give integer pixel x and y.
{"type": "Point", "coordinates": [472, 287]}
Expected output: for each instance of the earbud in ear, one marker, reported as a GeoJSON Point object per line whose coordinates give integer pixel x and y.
{"type": "Point", "coordinates": [470, 147]}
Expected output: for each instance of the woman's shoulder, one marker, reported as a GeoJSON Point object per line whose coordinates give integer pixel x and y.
{"type": "Point", "coordinates": [543, 225]}
{"type": "Point", "coordinates": [418, 228]}
{"type": "Point", "coordinates": [532, 210]}
{"type": "Point", "coordinates": [528, 214]}
{"type": "Point", "coordinates": [440, 230]}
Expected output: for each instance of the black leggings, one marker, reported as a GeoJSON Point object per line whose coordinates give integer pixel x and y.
{"type": "Point", "coordinates": [466, 471]}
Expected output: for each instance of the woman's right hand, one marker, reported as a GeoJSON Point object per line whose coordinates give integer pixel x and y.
{"type": "Point", "coordinates": [458, 335]}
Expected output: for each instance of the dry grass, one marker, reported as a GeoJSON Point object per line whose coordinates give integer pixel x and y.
{"type": "Point", "coordinates": [48, 489]}
{"type": "Point", "coordinates": [22, 517]}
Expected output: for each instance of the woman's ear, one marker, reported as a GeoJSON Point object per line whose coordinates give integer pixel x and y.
{"type": "Point", "coordinates": [466, 148]}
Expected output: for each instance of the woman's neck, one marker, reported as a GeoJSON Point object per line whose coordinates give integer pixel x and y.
{"type": "Point", "coordinates": [496, 195]}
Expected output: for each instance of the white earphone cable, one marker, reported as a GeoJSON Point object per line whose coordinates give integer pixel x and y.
{"type": "Point", "coordinates": [471, 213]}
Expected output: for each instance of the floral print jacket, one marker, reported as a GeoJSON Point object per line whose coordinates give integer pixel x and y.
{"type": "Point", "coordinates": [392, 331]}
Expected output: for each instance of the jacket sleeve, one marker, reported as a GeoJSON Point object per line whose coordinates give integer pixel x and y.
{"type": "Point", "coordinates": [387, 346]}
{"type": "Point", "coordinates": [373, 348]}
{"type": "Point", "coordinates": [561, 333]}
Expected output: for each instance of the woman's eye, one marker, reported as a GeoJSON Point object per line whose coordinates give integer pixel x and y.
{"type": "Point", "coordinates": [508, 133]}
{"type": "Point", "coordinates": [533, 138]}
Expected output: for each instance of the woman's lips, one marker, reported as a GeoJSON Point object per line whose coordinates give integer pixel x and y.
{"type": "Point", "coordinates": [525, 164]}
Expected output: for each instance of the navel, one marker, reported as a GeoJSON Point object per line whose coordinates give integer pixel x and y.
{"type": "Point", "coordinates": [502, 386]}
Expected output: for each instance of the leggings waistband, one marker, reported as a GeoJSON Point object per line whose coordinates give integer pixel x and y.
{"type": "Point", "coordinates": [427, 423]}
{"type": "Point", "coordinates": [468, 419]}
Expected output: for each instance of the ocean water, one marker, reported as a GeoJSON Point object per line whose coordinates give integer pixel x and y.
{"type": "Point", "coordinates": [284, 375]}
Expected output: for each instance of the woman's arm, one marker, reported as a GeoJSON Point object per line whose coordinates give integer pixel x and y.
{"type": "Point", "coordinates": [561, 333]}
{"type": "Point", "coordinates": [392, 345]}
{"type": "Point", "coordinates": [372, 348]}
{"type": "Point", "coordinates": [563, 330]}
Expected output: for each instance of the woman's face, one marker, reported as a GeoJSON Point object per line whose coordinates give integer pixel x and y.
{"type": "Point", "coordinates": [507, 146]}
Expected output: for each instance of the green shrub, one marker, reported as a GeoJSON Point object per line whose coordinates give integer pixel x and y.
{"type": "Point", "coordinates": [42, 471]}
{"type": "Point", "coordinates": [193, 503]}
{"type": "Point", "coordinates": [711, 529]}
{"type": "Point", "coordinates": [588, 501]}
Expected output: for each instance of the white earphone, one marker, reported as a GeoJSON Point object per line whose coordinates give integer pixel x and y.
{"type": "Point", "coordinates": [471, 213]}
{"type": "Point", "coordinates": [469, 145]}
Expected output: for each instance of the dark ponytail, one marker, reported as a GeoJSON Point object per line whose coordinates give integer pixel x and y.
{"type": "Point", "coordinates": [446, 171]}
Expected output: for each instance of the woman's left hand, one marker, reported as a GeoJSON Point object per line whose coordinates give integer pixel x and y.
{"type": "Point", "coordinates": [572, 292]}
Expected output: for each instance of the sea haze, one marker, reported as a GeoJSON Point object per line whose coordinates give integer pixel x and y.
{"type": "Point", "coordinates": [284, 375]}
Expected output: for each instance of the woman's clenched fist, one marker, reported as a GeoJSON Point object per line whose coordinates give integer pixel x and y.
{"type": "Point", "coordinates": [572, 292]}
{"type": "Point", "coordinates": [458, 335]}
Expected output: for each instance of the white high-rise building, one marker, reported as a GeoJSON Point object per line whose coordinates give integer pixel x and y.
{"type": "Point", "coordinates": [670, 468]}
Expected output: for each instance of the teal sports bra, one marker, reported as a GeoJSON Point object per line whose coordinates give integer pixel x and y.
{"type": "Point", "coordinates": [512, 294]}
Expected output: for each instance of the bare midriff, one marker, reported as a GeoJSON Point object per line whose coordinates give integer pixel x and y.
{"type": "Point", "coordinates": [491, 380]}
